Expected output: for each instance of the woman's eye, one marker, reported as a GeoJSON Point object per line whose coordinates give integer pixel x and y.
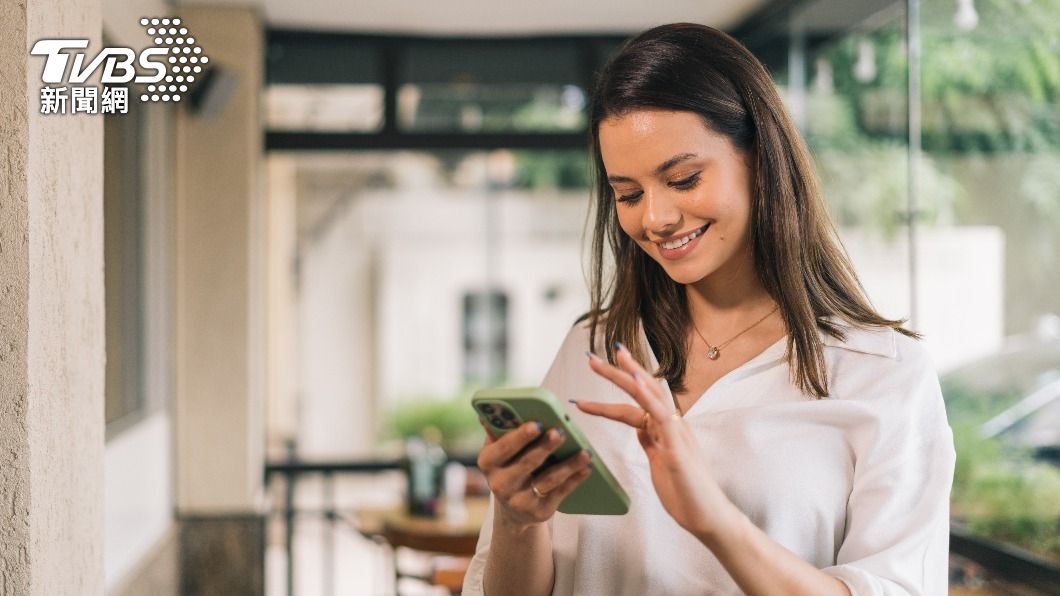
{"type": "Point", "coordinates": [687, 182]}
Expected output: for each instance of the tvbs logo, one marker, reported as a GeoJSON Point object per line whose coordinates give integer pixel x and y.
{"type": "Point", "coordinates": [118, 63]}
{"type": "Point", "coordinates": [167, 68]}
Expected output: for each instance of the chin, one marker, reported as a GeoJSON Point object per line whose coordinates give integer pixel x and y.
{"type": "Point", "coordinates": [684, 274]}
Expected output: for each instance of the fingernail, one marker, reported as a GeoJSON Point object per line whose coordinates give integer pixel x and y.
{"type": "Point", "coordinates": [620, 346]}
{"type": "Point", "coordinates": [573, 401]}
{"type": "Point", "coordinates": [559, 431]}
{"type": "Point", "coordinates": [537, 429]}
{"type": "Point", "coordinates": [591, 355]}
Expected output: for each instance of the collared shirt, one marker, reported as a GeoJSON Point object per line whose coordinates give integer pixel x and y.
{"type": "Point", "coordinates": [857, 484]}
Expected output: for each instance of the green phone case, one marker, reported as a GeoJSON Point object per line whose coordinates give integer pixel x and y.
{"type": "Point", "coordinates": [600, 493]}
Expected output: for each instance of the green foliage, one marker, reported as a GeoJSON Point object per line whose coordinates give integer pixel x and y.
{"type": "Point", "coordinates": [867, 187]}
{"type": "Point", "coordinates": [994, 88]}
{"type": "Point", "coordinates": [552, 169]}
{"type": "Point", "coordinates": [991, 91]}
{"type": "Point", "coordinates": [966, 406]}
{"type": "Point", "coordinates": [452, 416]}
{"type": "Point", "coordinates": [1000, 492]}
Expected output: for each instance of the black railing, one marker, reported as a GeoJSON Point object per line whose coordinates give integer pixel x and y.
{"type": "Point", "coordinates": [1002, 560]}
{"type": "Point", "coordinates": [1006, 561]}
{"type": "Point", "coordinates": [291, 470]}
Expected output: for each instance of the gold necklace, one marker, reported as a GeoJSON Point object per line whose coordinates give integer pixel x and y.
{"type": "Point", "coordinates": [715, 351]}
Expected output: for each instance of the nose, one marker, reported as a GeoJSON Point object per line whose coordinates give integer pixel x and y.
{"type": "Point", "coordinates": [661, 216]}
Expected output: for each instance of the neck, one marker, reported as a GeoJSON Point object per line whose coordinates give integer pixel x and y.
{"type": "Point", "coordinates": [728, 300]}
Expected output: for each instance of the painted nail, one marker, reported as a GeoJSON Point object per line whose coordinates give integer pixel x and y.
{"type": "Point", "coordinates": [573, 401]}
{"type": "Point", "coordinates": [620, 346]}
{"type": "Point", "coordinates": [591, 355]}
{"type": "Point", "coordinates": [540, 428]}
{"type": "Point", "coordinates": [560, 433]}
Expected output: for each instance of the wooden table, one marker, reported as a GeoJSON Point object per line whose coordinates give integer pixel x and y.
{"type": "Point", "coordinates": [442, 535]}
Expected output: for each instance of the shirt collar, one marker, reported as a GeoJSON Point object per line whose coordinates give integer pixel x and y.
{"type": "Point", "coordinates": [879, 341]}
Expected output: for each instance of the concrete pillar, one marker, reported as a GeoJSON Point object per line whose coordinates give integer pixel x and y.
{"type": "Point", "coordinates": [51, 317]}
{"type": "Point", "coordinates": [220, 315]}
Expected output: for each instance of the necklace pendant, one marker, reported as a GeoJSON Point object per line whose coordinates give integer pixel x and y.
{"type": "Point", "coordinates": [713, 353]}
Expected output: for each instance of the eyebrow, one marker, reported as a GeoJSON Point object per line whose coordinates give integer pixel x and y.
{"type": "Point", "coordinates": [666, 165]}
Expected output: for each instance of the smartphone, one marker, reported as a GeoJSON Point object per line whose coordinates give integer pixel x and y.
{"type": "Point", "coordinates": [503, 410]}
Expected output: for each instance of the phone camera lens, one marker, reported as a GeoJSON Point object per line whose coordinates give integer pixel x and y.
{"type": "Point", "coordinates": [488, 409]}
{"type": "Point", "coordinates": [495, 421]}
{"type": "Point", "coordinates": [507, 414]}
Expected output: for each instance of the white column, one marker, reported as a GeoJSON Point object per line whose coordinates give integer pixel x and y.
{"type": "Point", "coordinates": [220, 375]}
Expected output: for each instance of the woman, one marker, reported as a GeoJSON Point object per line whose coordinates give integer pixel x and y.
{"type": "Point", "coordinates": [774, 433]}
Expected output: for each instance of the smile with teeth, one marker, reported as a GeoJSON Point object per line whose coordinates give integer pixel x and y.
{"type": "Point", "coordinates": [683, 240]}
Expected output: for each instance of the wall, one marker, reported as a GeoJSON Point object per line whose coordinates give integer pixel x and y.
{"type": "Point", "coordinates": [51, 318]}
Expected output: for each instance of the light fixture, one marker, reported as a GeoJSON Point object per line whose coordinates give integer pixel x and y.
{"type": "Point", "coordinates": [966, 17]}
{"type": "Point", "coordinates": [865, 67]}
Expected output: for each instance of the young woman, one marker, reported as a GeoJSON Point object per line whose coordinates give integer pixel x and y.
{"type": "Point", "coordinates": [775, 434]}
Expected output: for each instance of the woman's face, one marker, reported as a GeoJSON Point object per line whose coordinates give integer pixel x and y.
{"type": "Point", "coordinates": [672, 177]}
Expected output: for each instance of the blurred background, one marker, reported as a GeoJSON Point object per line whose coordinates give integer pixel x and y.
{"type": "Point", "coordinates": [371, 210]}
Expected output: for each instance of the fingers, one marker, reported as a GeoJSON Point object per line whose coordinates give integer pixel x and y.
{"type": "Point", "coordinates": [630, 365]}
{"type": "Point", "coordinates": [556, 495]}
{"type": "Point", "coordinates": [518, 471]}
{"type": "Point", "coordinates": [625, 413]}
{"type": "Point", "coordinates": [501, 450]}
{"type": "Point", "coordinates": [553, 477]}
{"type": "Point", "coordinates": [624, 378]}
{"type": "Point", "coordinates": [508, 463]}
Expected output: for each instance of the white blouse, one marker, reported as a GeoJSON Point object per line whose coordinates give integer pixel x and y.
{"type": "Point", "coordinates": [857, 484]}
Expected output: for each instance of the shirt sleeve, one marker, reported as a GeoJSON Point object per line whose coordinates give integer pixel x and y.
{"type": "Point", "coordinates": [897, 533]}
{"type": "Point", "coordinates": [477, 567]}
{"type": "Point", "coordinates": [553, 381]}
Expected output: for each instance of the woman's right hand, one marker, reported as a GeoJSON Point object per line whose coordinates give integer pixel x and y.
{"type": "Point", "coordinates": [509, 462]}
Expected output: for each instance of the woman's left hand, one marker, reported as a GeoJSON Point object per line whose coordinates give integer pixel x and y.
{"type": "Point", "coordinates": [679, 469]}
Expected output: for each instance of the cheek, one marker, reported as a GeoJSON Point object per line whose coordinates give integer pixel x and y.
{"type": "Point", "coordinates": [628, 220]}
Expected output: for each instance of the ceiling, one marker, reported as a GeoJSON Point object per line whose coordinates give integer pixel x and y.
{"type": "Point", "coordinates": [490, 17]}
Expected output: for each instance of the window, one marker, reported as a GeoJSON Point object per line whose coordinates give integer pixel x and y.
{"type": "Point", "coordinates": [485, 337]}
{"type": "Point", "coordinates": [123, 225]}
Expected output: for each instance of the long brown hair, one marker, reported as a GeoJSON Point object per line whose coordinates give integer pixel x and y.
{"type": "Point", "coordinates": [797, 253]}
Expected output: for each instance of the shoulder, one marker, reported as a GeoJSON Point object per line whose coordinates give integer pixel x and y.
{"type": "Point", "coordinates": [571, 353]}
{"type": "Point", "coordinates": [888, 373]}
{"type": "Point", "coordinates": [580, 337]}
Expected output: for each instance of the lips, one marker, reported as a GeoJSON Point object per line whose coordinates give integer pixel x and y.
{"type": "Point", "coordinates": [673, 254]}
{"type": "Point", "coordinates": [698, 231]}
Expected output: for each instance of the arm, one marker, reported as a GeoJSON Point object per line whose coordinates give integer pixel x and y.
{"type": "Point", "coordinates": [514, 554]}
{"type": "Point", "coordinates": [758, 564]}
{"type": "Point", "coordinates": [520, 560]}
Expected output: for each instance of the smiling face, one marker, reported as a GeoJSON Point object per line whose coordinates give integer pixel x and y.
{"type": "Point", "coordinates": [682, 193]}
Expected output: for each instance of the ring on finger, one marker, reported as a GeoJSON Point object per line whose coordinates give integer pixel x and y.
{"type": "Point", "coordinates": [644, 420]}
{"type": "Point", "coordinates": [537, 493]}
